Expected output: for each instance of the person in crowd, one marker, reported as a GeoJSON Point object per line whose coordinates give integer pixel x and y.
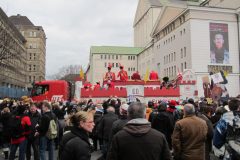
{"type": "Point", "coordinates": [219, 54]}
{"type": "Point", "coordinates": [109, 76]}
{"type": "Point", "coordinates": [60, 113]}
{"type": "Point", "coordinates": [19, 140]}
{"type": "Point", "coordinates": [149, 109]}
{"type": "Point", "coordinates": [119, 124]}
{"type": "Point", "coordinates": [97, 118]}
{"type": "Point", "coordinates": [217, 115]}
{"type": "Point", "coordinates": [42, 130]}
{"type": "Point", "coordinates": [226, 133]}
{"type": "Point", "coordinates": [136, 76]}
{"type": "Point", "coordinates": [105, 127]}
{"type": "Point", "coordinates": [75, 145]}
{"type": "Point", "coordinates": [189, 135]}
{"type": "Point", "coordinates": [122, 74]}
{"type": "Point", "coordinates": [172, 111]}
{"type": "Point", "coordinates": [205, 114]}
{"type": "Point", "coordinates": [33, 141]}
{"type": "Point", "coordinates": [5, 120]}
{"type": "Point", "coordinates": [97, 86]}
{"type": "Point", "coordinates": [162, 123]}
{"type": "Point", "coordinates": [128, 144]}
{"type": "Point", "coordinates": [153, 75]}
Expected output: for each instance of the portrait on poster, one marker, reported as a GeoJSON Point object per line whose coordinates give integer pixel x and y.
{"type": "Point", "coordinates": [219, 45]}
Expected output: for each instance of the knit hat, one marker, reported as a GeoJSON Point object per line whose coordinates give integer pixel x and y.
{"type": "Point", "coordinates": [124, 108]}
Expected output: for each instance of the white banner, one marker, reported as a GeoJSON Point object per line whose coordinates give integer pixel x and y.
{"type": "Point", "coordinates": [135, 90]}
{"type": "Point", "coordinates": [78, 86]}
{"type": "Point", "coordinates": [217, 78]}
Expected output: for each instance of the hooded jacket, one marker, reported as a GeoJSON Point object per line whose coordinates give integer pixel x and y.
{"type": "Point", "coordinates": [139, 141]}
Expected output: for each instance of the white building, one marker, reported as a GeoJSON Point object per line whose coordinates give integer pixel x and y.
{"type": "Point", "coordinates": [102, 56]}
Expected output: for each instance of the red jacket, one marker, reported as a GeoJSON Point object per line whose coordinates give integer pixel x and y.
{"type": "Point", "coordinates": [153, 76]}
{"type": "Point", "coordinates": [136, 76]}
{"type": "Point", "coordinates": [109, 76]}
{"type": "Point", "coordinates": [25, 122]}
{"type": "Point", "coordinates": [123, 75]}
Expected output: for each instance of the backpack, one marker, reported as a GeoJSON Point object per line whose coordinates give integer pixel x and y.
{"type": "Point", "coordinates": [233, 138]}
{"type": "Point", "coordinates": [16, 128]}
{"type": "Point", "coordinates": [52, 129]}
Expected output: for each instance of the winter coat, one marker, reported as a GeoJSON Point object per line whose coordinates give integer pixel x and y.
{"type": "Point", "coordinates": [188, 139]}
{"type": "Point", "coordinates": [75, 145]}
{"type": "Point", "coordinates": [208, 144]}
{"type": "Point", "coordinates": [105, 125]}
{"type": "Point", "coordinates": [5, 119]}
{"type": "Point", "coordinates": [137, 140]}
{"type": "Point", "coordinates": [44, 122]}
{"type": "Point", "coordinates": [35, 119]}
{"type": "Point", "coordinates": [162, 122]}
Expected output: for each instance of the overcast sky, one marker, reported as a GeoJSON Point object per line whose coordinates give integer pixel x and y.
{"type": "Point", "coordinates": [72, 26]}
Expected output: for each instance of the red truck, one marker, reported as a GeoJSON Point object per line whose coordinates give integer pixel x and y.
{"type": "Point", "coordinates": [51, 90]}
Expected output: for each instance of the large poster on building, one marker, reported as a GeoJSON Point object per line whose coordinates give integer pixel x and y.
{"type": "Point", "coordinates": [219, 45]}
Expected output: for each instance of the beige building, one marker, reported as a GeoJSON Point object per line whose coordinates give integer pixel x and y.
{"type": "Point", "coordinates": [35, 45]}
{"type": "Point", "coordinates": [182, 38]}
{"type": "Point", "coordinates": [102, 56]}
{"type": "Point", "coordinates": [12, 59]}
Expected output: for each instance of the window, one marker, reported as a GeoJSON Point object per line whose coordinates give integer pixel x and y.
{"type": "Point", "coordinates": [34, 67]}
{"type": "Point", "coordinates": [128, 57]}
{"type": "Point", "coordinates": [181, 53]}
{"type": "Point", "coordinates": [133, 57]}
{"type": "Point", "coordinates": [34, 56]}
{"type": "Point", "coordinates": [29, 79]}
{"type": "Point", "coordinates": [116, 56]}
{"type": "Point", "coordinates": [101, 56]}
{"type": "Point", "coordinates": [105, 64]}
{"type": "Point", "coordinates": [174, 56]}
{"type": "Point", "coordinates": [171, 57]}
{"type": "Point", "coordinates": [182, 67]}
{"type": "Point", "coordinates": [113, 65]}
{"type": "Point", "coordinates": [128, 69]}
{"type": "Point", "coordinates": [134, 69]}
{"type": "Point", "coordinates": [175, 70]}
{"type": "Point", "coordinates": [30, 56]}
{"type": "Point", "coordinates": [105, 56]}
{"type": "Point", "coordinates": [39, 89]}
{"type": "Point", "coordinates": [29, 67]}
{"type": "Point", "coordinates": [185, 65]}
{"type": "Point", "coordinates": [185, 51]}
{"type": "Point", "coordinates": [116, 64]}
{"type": "Point", "coordinates": [34, 34]}
{"type": "Point", "coordinates": [184, 30]}
{"type": "Point", "coordinates": [112, 56]}
{"type": "Point", "coordinates": [34, 79]}
{"type": "Point", "coordinates": [30, 45]}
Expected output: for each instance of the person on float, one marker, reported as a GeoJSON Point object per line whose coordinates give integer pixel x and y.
{"type": "Point", "coordinates": [109, 75]}
{"type": "Point", "coordinates": [122, 74]}
{"type": "Point", "coordinates": [136, 76]}
{"type": "Point", "coordinates": [97, 85]}
{"type": "Point", "coordinates": [153, 75]}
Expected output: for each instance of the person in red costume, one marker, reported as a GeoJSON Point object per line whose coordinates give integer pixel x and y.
{"type": "Point", "coordinates": [97, 85]}
{"type": "Point", "coordinates": [153, 75]}
{"type": "Point", "coordinates": [136, 76]}
{"type": "Point", "coordinates": [122, 74]}
{"type": "Point", "coordinates": [109, 75]}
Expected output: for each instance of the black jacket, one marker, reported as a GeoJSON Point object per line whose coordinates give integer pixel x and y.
{"type": "Point", "coordinates": [35, 119]}
{"type": "Point", "coordinates": [139, 141]}
{"type": "Point", "coordinates": [105, 125]}
{"type": "Point", "coordinates": [75, 145]}
{"type": "Point", "coordinates": [45, 121]}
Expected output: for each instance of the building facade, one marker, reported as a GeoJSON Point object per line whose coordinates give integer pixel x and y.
{"type": "Point", "coordinates": [35, 45]}
{"type": "Point", "coordinates": [102, 56]}
{"type": "Point", "coordinates": [183, 37]}
{"type": "Point", "coordinates": [13, 55]}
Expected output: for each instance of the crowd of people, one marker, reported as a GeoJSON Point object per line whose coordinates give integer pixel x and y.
{"type": "Point", "coordinates": [186, 130]}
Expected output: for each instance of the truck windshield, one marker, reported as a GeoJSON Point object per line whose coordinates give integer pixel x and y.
{"type": "Point", "coordinates": [39, 90]}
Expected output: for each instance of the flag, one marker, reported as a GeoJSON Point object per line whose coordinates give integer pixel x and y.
{"type": "Point", "coordinates": [81, 74]}
{"type": "Point", "coordinates": [146, 77]}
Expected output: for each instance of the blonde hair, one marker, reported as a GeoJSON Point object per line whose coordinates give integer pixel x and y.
{"type": "Point", "coordinates": [79, 116]}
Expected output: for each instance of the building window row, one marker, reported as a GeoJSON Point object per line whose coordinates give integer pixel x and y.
{"type": "Point", "coordinates": [32, 56]}
{"type": "Point", "coordinates": [131, 69]}
{"type": "Point", "coordinates": [32, 67]}
{"type": "Point", "coordinates": [32, 34]}
{"type": "Point", "coordinates": [170, 58]}
{"type": "Point", "coordinates": [131, 57]}
{"type": "Point", "coordinates": [183, 52]}
{"type": "Point", "coordinates": [170, 71]}
{"type": "Point", "coordinates": [105, 56]}
{"type": "Point", "coordinates": [113, 65]}
{"type": "Point", "coordinates": [183, 66]}
{"type": "Point", "coordinates": [182, 31]}
{"type": "Point", "coordinates": [170, 39]}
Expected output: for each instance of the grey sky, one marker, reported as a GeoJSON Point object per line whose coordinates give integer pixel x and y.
{"type": "Point", "coordinates": [72, 26]}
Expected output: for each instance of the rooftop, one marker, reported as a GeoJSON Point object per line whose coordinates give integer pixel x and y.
{"type": "Point", "coordinates": [115, 50]}
{"type": "Point", "coordinates": [20, 20]}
